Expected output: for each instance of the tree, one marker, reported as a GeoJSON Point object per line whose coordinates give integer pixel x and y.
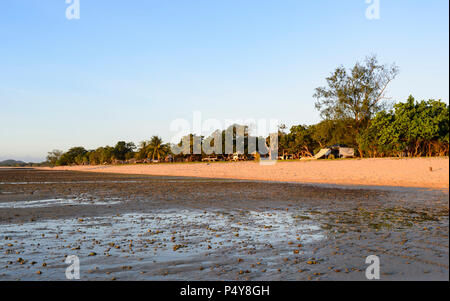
{"type": "Point", "coordinates": [410, 129]}
{"type": "Point", "coordinates": [422, 126]}
{"type": "Point", "coordinates": [122, 149]}
{"type": "Point", "coordinates": [299, 141]}
{"type": "Point", "coordinates": [72, 156]}
{"type": "Point", "coordinates": [53, 156]}
{"type": "Point", "coordinates": [142, 152]}
{"type": "Point", "coordinates": [357, 94]}
{"type": "Point", "coordinates": [379, 139]}
{"type": "Point", "coordinates": [331, 132]}
{"type": "Point", "coordinates": [156, 148]}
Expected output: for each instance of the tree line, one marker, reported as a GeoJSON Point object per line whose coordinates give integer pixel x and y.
{"type": "Point", "coordinates": [153, 150]}
{"type": "Point", "coordinates": [355, 112]}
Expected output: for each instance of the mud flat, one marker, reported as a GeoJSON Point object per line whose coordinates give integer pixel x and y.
{"type": "Point", "coordinates": [137, 227]}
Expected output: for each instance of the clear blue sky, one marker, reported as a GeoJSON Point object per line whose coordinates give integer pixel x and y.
{"type": "Point", "coordinates": [126, 69]}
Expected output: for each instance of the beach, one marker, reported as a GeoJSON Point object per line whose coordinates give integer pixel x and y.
{"type": "Point", "coordinates": [405, 172]}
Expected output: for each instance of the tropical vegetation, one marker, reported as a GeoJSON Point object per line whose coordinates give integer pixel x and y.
{"type": "Point", "coordinates": [355, 112]}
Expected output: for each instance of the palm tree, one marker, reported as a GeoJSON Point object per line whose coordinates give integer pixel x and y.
{"type": "Point", "coordinates": [143, 150]}
{"type": "Point", "coordinates": [156, 148]}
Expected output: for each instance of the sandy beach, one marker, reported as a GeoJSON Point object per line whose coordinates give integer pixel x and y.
{"type": "Point", "coordinates": [368, 172]}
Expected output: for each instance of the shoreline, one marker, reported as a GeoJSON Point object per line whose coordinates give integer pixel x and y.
{"type": "Point", "coordinates": [404, 172]}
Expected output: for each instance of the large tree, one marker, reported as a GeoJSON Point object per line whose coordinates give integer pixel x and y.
{"type": "Point", "coordinates": [298, 141]}
{"type": "Point", "coordinates": [357, 94]}
{"type": "Point", "coordinates": [53, 157]}
{"type": "Point", "coordinates": [156, 148]}
{"type": "Point", "coordinates": [123, 150]}
{"type": "Point", "coordinates": [330, 132]}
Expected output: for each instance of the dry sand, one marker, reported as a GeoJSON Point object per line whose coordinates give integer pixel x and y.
{"type": "Point", "coordinates": [378, 172]}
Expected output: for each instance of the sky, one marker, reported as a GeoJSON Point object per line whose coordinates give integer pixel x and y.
{"type": "Point", "coordinates": [126, 69]}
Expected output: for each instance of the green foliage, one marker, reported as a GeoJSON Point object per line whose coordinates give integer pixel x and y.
{"type": "Point", "coordinates": [102, 155]}
{"type": "Point", "coordinates": [54, 156]}
{"type": "Point", "coordinates": [330, 132]}
{"type": "Point", "coordinates": [354, 108]}
{"type": "Point", "coordinates": [73, 156]}
{"type": "Point", "coordinates": [122, 150]}
{"type": "Point", "coordinates": [410, 129]}
{"type": "Point", "coordinates": [300, 141]}
{"type": "Point", "coordinates": [357, 94]}
{"type": "Point", "coordinates": [157, 149]}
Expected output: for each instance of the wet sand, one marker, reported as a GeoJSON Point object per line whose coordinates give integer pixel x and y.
{"type": "Point", "coordinates": [137, 227]}
{"type": "Point", "coordinates": [406, 172]}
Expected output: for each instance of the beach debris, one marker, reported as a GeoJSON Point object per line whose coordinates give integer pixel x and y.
{"type": "Point", "coordinates": [176, 247]}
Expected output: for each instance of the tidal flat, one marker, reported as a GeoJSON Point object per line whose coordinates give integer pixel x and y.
{"type": "Point", "coordinates": [134, 227]}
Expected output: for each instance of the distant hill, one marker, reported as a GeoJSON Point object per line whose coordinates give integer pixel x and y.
{"type": "Point", "coordinates": [12, 163]}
